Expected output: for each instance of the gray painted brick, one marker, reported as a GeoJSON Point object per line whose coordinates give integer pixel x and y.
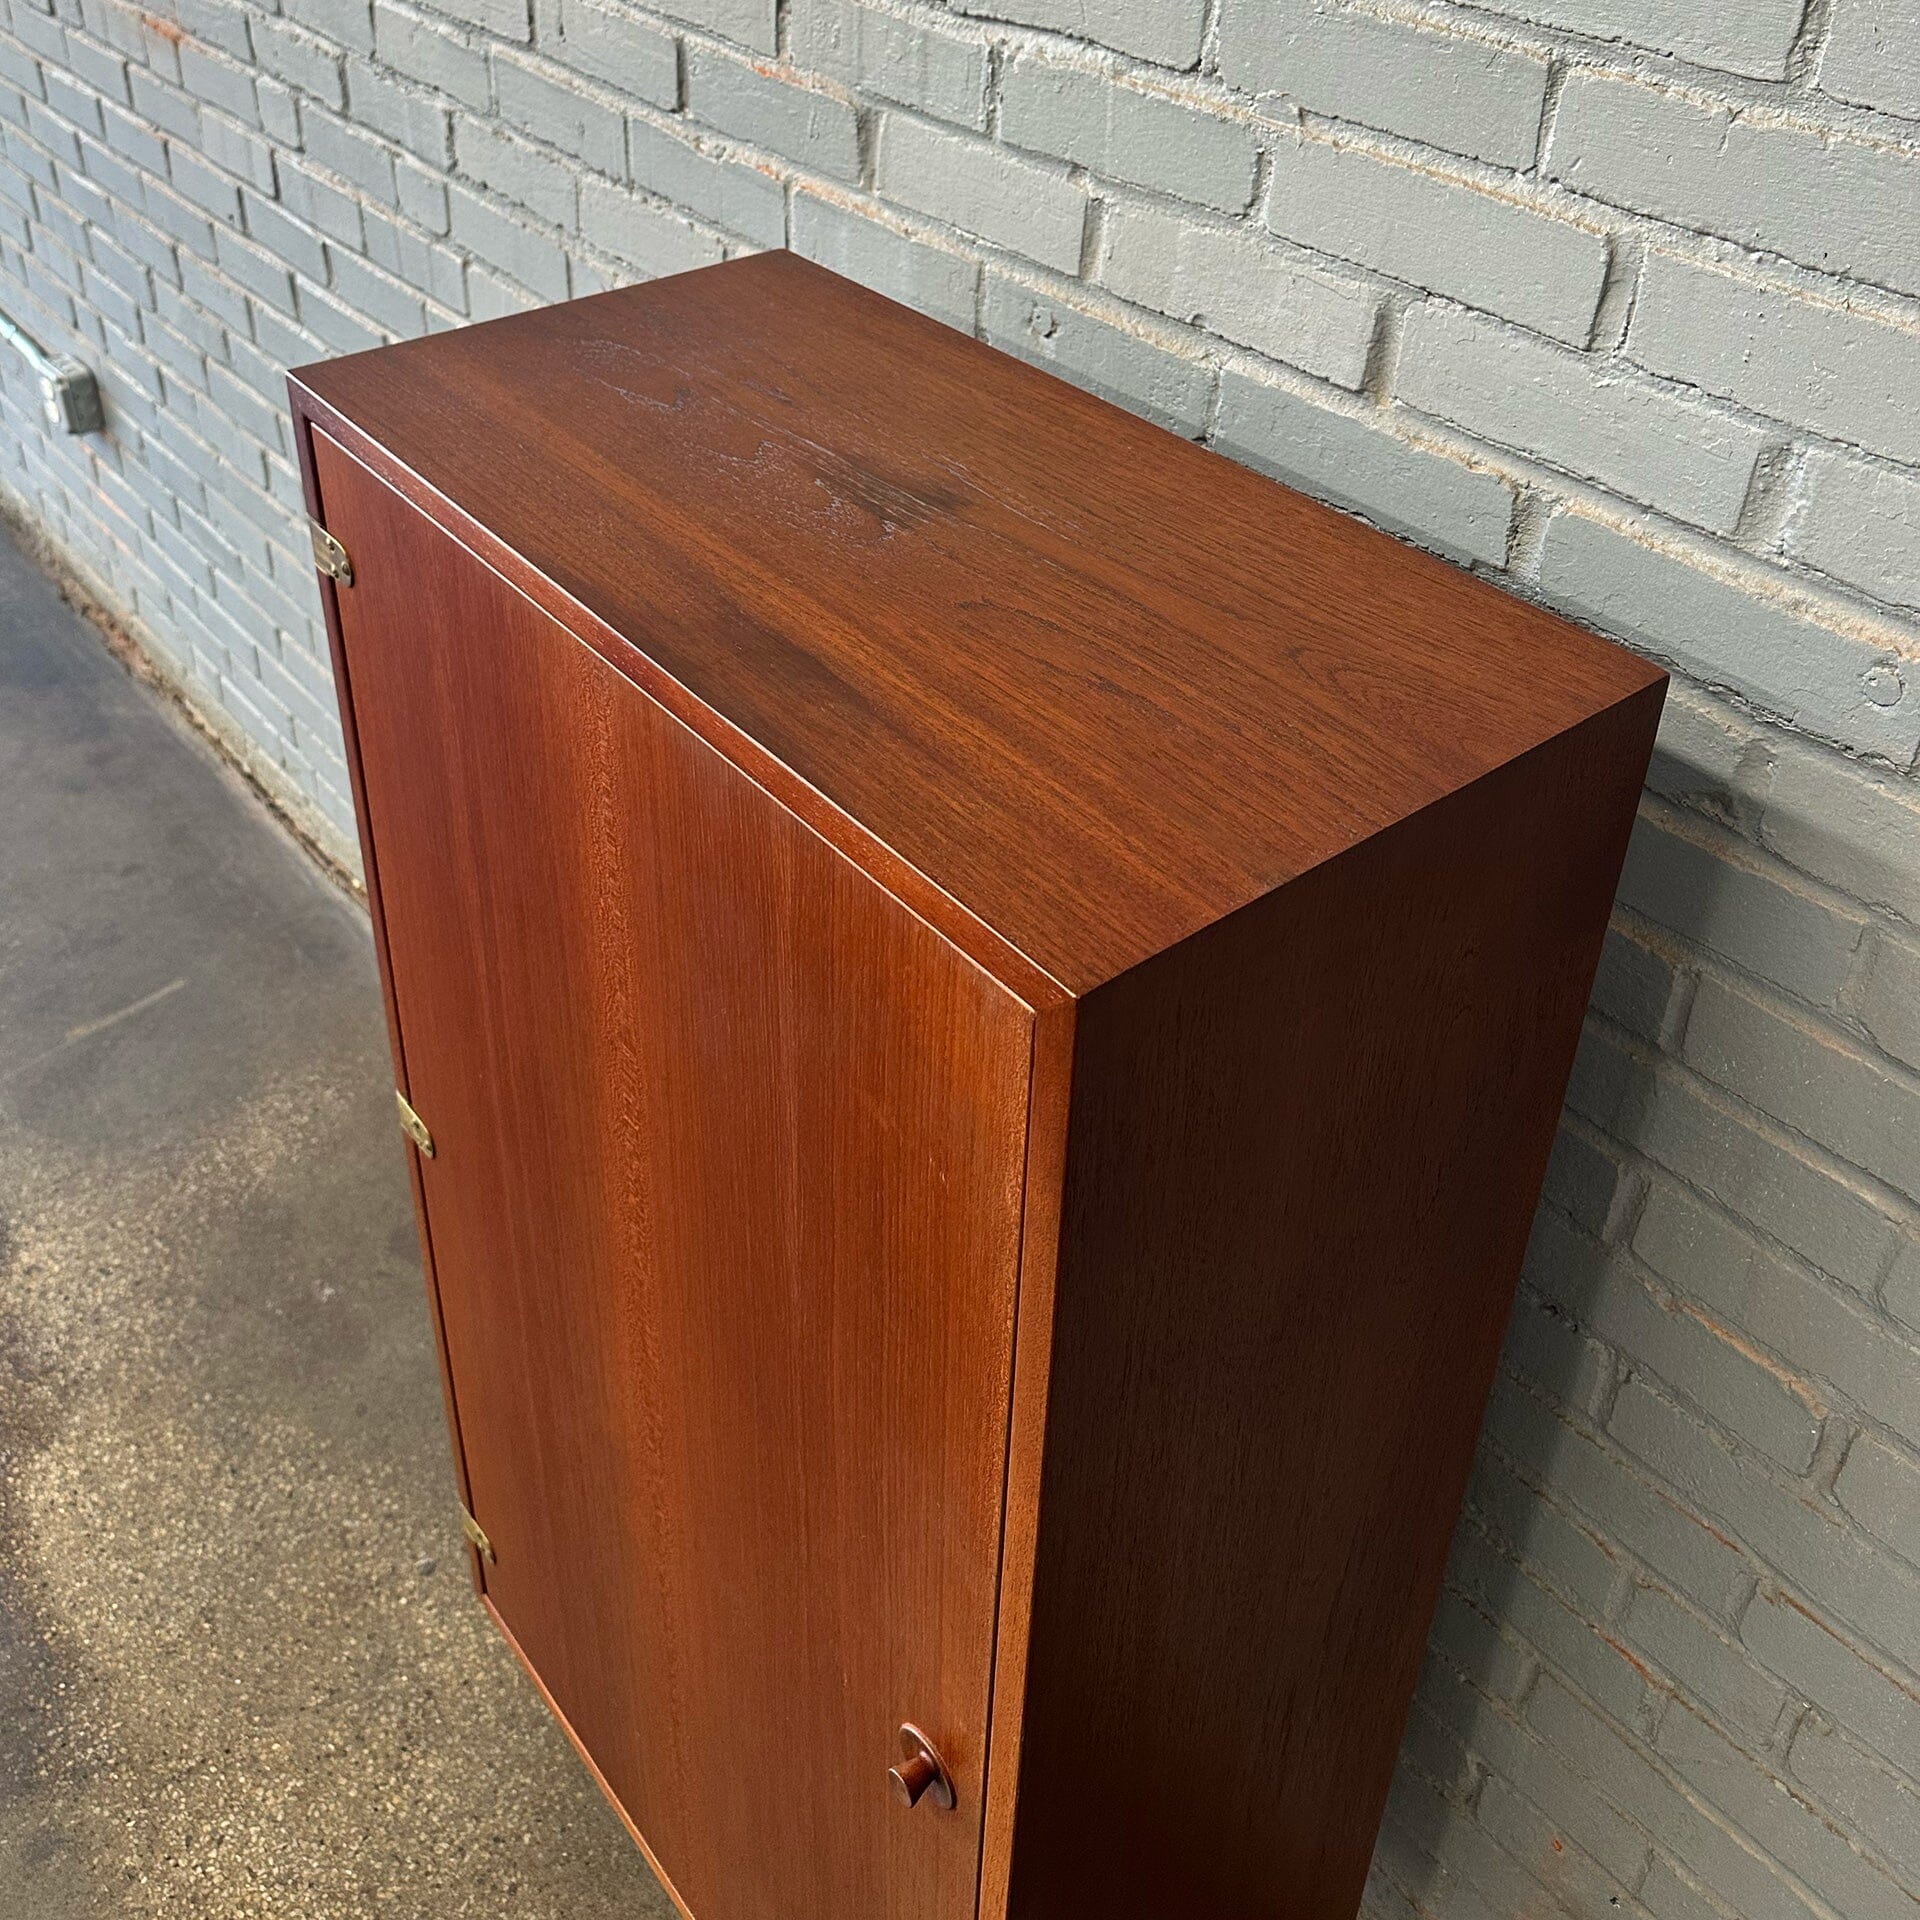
{"type": "Point", "coordinates": [1465, 94]}
{"type": "Point", "coordinates": [345, 150]}
{"type": "Point", "coordinates": [550, 104]}
{"type": "Point", "coordinates": [729, 193]}
{"type": "Point", "coordinates": [1856, 829]}
{"type": "Point", "coordinates": [1717, 896]}
{"type": "Point", "coordinates": [1876, 1805]}
{"type": "Point", "coordinates": [1831, 1672]}
{"type": "Point", "coordinates": [1593, 418]}
{"type": "Point", "coordinates": [1810, 1082]}
{"type": "Point", "coordinates": [1165, 31]}
{"type": "Point", "coordinates": [1366, 469]}
{"type": "Point", "coordinates": [1255, 295]}
{"type": "Point", "coordinates": [1901, 1292]}
{"type": "Point", "coordinates": [1843, 206]}
{"type": "Point", "coordinates": [533, 177]}
{"type": "Point", "coordinates": [639, 231]}
{"type": "Point", "coordinates": [1873, 55]}
{"type": "Point", "coordinates": [418, 47]}
{"type": "Point", "coordinates": [532, 259]}
{"type": "Point", "coordinates": [1711, 1668]}
{"type": "Point", "coordinates": [1754, 37]}
{"type": "Point", "coordinates": [929, 279]}
{"type": "Point", "coordinates": [1127, 133]}
{"type": "Point", "coordinates": [511, 18]}
{"type": "Point", "coordinates": [1860, 522]}
{"type": "Point", "coordinates": [1440, 234]}
{"type": "Point", "coordinates": [613, 44]}
{"type": "Point", "coordinates": [1847, 689]}
{"type": "Point", "coordinates": [751, 22]}
{"type": "Point", "coordinates": [1635, 986]}
{"type": "Point", "coordinates": [984, 189]}
{"type": "Point", "coordinates": [1880, 1487]}
{"type": "Point", "coordinates": [1889, 1006]}
{"type": "Point", "coordinates": [1142, 375]}
{"type": "Point", "coordinates": [941, 73]}
{"type": "Point", "coordinates": [816, 129]}
{"type": "Point", "coordinates": [347, 23]}
{"type": "Point", "coordinates": [1841, 372]}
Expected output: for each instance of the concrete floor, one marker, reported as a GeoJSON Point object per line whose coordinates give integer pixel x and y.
{"type": "Point", "coordinates": [242, 1670]}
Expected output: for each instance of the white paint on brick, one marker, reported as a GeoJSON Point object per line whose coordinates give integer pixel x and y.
{"type": "Point", "coordinates": [985, 190]}
{"type": "Point", "coordinates": [1849, 689]}
{"type": "Point", "coordinates": [1597, 419]}
{"type": "Point", "coordinates": [1860, 522]}
{"type": "Point", "coordinates": [1127, 133]}
{"type": "Point", "coordinates": [1842, 206]}
{"type": "Point", "coordinates": [1461, 93]}
{"type": "Point", "coordinates": [1165, 31]}
{"type": "Point", "coordinates": [1217, 278]}
{"type": "Point", "coordinates": [613, 44]}
{"type": "Point", "coordinates": [805, 124]}
{"type": "Point", "coordinates": [1845, 372]}
{"type": "Point", "coordinates": [940, 73]}
{"type": "Point", "coordinates": [1360, 464]}
{"type": "Point", "coordinates": [1443, 234]}
{"type": "Point", "coordinates": [1752, 37]}
{"type": "Point", "coordinates": [1873, 55]}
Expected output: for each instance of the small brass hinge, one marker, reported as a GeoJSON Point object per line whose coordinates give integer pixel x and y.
{"type": "Point", "coordinates": [329, 555]}
{"type": "Point", "coordinates": [413, 1126]}
{"type": "Point", "coordinates": [476, 1534]}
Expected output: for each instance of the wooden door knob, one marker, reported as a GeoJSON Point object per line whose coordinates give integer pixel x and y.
{"type": "Point", "coordinates": [921, 1773]}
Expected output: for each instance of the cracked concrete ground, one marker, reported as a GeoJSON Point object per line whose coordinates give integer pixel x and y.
{"type": "Point", "coordinates": [242, 1670]}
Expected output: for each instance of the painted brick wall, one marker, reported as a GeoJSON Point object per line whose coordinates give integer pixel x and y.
{"type": "Point", "coordinates": [1615, 302]}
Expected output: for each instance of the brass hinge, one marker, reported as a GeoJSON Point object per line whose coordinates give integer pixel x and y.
{"type": "Point", "coordinates": [413, 1126]}
{"type": "Point", "coordinates": [476, 1535]}
{"type": "Point", "coordinates": [329, 555]}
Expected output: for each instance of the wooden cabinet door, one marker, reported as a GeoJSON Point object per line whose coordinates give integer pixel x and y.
{"type": "Point", "coordinates": [723, 1215]}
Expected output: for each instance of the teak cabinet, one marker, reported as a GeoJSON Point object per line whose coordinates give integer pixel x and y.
{"type": "Point", "coordinates": [982, 997]}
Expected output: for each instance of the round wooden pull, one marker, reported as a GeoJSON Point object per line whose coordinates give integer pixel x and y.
{"type": "Point", "coordinates": [921, 1773]}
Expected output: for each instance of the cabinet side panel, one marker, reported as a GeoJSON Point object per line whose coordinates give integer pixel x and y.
{"type": "Point", "coordinates": [1304, 1154]}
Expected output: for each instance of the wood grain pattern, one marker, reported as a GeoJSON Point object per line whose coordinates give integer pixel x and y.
{"type": "Point", "coordinates": [724, 1212]}
{"type": "Point", "coordinates": [1304, 1155]}
{"type": "Point", "coordinates": [1096, 686]}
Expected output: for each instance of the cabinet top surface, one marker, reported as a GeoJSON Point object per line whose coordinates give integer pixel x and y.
{"type": "Point", "coordinates": [1098, 685]}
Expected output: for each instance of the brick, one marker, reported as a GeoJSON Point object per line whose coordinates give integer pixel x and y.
{"type": "Point", "coordinates": [300, 59]}
{"type": "Point", "coordinates": [641, 232]}
{"type": "Point", "coordinates": [1127, 133]}
{"type": "Point", "coordinates": [1141, 374]}
{"type": "Point", "coordinates": [1821, 1664]}
{"type": "Point", "coordinates": [510, 18]}
{"type": "Point", "coordinates": [1713, 893]}
{"type": "Point", "coordinates": [343, 149]}
{"type": "Point", "coordinates": [1635, 985]}
{"type": "Point", "coordinates": [613, 44]}
{"type": "Point", "coordinates": [1856, 829]}
{"type": "Point", "coordinates": [238, 151]}
{"type": "Point", "coordinates": [549, 103]}
{"type": "Point", "coordinates": [1257, 296]}
{"type": "Point", "coordinates": [219, 82]}
{"type": "Point", "coordinates": [1569, 1874]}
{"type": "Point", "coordinates": [1902, 1290]}
{"type": "Point", "coordinates": [1838, 205]}
{"type": "Point", "coordinates": [1881, 1489]}
{"type": "Point", "coordinates": [1873, 55]}
{"type": "Point", "coordinates": [1467, 95]}
{"type": "Point", "coordinates": [986, 190]}
{"type": "Point", "coordinates": [532, 259]}
{"type": "Point", "coordinates": [1797, 1837]}
{"type": "Point", "coordinates": [1889, 1006]}
{"type": "Point", "coordinates": [1839, 1572]}
{"type": "Point", "coordinates": [929, 279]}
{"type": "Point", "coordinates": [203, 185]}
{"type": "Point", "coordinates": [1839, 370]}
{"type": "Point", "coordinates": [532, 177]}
{"type": "Point", "coordinates": [1860, 522]}
{"type": "Point", "coordinates": [1882, 1810]}
{"type": "Point", "coordinates": [1847, 689]}
{"type": "Point", "coordinates": [1814, 1084]}
{"type": "Point", "coordinates": [1592, 418]}
{"type": "Point", "coordinates": [1440, 235]}
{"type": "Point", "coordinates": [815, 129]}
{"type": "Point", "coordinates": [729, 193]}
{"type": "Point", "coordinates": [1165, 31]}
{"type": "Point", "coordinates": [347, 23]}
{"type": "Point", "coordinates": [1707, 1667]}
{"type": "Point", "coordinates": [375, 297]}
{"type": "Point", "coordinates": [424, 51]}
{"type": "Point", "coordinates": [750, 22]}
{"type": "Point", "coordinates": [1364, 467]}
{"type": "Point", "coordinates": [1753, 37]}
{"type": "Point", "coordinates": [942, 74]}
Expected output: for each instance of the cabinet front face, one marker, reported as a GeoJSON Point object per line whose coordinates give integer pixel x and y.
{"type": "Point", "coordinates": [723, 1215]}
